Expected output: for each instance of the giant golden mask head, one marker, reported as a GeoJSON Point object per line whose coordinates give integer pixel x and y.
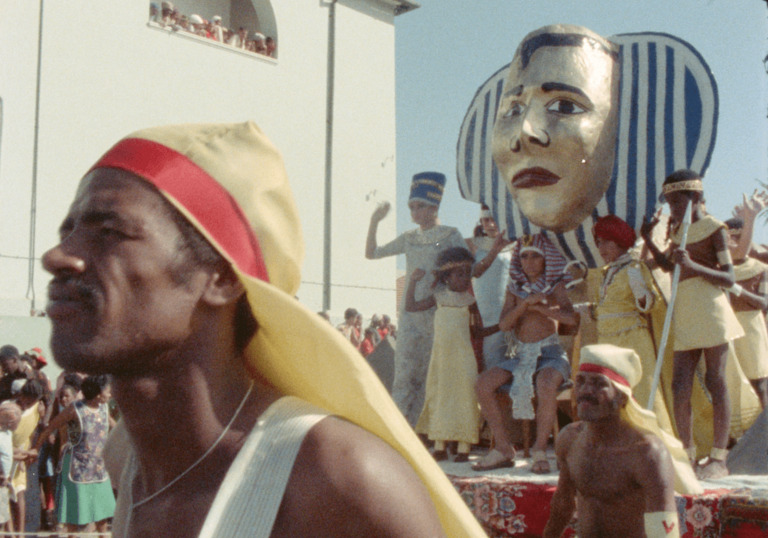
{"type": "Point", "coordinates": [578, 126]}
{"type": "Point", "coordinates": [555, 130]}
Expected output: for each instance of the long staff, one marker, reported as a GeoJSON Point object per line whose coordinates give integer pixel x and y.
{"type": "Point", "coordinates": [670, 308]}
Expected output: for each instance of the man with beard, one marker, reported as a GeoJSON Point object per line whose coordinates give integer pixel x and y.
{"type": "Point", "coordinates": [176, 273]}
{"type": "Point", "coordinates": [616, 461]}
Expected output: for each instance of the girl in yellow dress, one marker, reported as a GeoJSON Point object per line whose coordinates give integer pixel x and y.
{"type": "Point", "coordinates": [451, 411]}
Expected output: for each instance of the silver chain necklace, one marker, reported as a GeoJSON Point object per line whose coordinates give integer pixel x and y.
{"type": "Point", "coordinates": [201, 458]}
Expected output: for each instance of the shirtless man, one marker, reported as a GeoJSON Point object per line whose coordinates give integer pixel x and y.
{"type": "Point", "coordinates": [535, 303]}
{"type": "Point", "coordinates": [622, 477]}
{"type": "Point", "coordinates": [176, 274]}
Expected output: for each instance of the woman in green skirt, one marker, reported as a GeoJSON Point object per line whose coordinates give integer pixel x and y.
{"type": "Point", "coordinates": [84, 493]}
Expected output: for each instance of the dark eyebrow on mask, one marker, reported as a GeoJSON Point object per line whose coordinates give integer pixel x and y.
{"type": "Point", "coordinates": [560, 87]}
{"type": "Point", "coordinates": [516, 91]}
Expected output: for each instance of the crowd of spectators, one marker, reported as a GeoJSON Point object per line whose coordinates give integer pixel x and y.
{"type": "Point", "coordinates": [29, 402]}
{"type": "Point", "coordinates": [365, 339]}
{"type": "Point", "coordinates": [167, 15]}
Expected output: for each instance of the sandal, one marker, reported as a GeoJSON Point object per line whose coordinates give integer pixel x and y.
{"type": "Point", "coordinates": [494, 460]}
{"type": "Point", "coordinates": [712, 469]}
{"type": "Point", "coordinates": [440, 455]}
{"type": "Point", "coordinates": [540, 462]}
{"type": "Point", "coordinates": [461, 457]}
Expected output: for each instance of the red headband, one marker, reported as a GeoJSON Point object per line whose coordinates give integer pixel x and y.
{"type": "Point", "coordinates": [200, 194]}
{"type": "Point", "coordinates": [607, 372]}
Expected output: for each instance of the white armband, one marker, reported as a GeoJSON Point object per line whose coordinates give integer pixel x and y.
{"type": "Point", "coordinates": [639, 289]}
{"type": "Point", "coordinates": [736, 290]}
{"type": "Point", "coordinates": [724, 257]}
{"type": "Point", "coordinates": [662, 525]}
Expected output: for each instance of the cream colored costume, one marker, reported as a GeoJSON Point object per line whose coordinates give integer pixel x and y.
{"type": "Point", "coordinates": [752, 348]}
{"type": "Point", "coordinates": [703, 317]}
{"type": "Point", "coordinates": [230, 182]}
{"type": "Point", "coordinates": [451, 411]}
{"type": "Point", "coordinates": [626, 295]}
{"type": "Point", "coordinates": [249, 498]}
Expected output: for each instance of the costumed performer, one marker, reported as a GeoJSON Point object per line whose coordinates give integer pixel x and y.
{"type": "Point", "coordinates": [493, 252]}
{"type": "Point", "coordinates": [451, 412]}
{"type": "Point", "coordinates": [622, 305]}
{"type": "Point", "coordinates": [415, 332]}
{"type": "Point", "coordinates": [749, 300]}
{"type": "Point", "coordinates": [176, 273]}
{"type": "Point", "coordinates": [703, 320]}
{"type": "Point", "coordinates": [536, 302]}
{"type": "Point", "coordinates": [616, 463]}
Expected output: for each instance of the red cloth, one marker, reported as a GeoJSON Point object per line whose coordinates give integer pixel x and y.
{"type": "Point", "coordinates": [612, 228]}
{"type": "Point", "coordinates": [366, 347]}
{"type": "Point", "coordinates": [507, 508]}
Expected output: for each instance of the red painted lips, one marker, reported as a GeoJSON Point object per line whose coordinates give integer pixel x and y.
{"type": "Point", "coordinates": [534, 177]}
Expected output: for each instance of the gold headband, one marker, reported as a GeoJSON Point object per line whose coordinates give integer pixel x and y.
{"type": "Point", "coordinates": [452, 265]}
{"type": "Point", "coordinates": [687, 185]}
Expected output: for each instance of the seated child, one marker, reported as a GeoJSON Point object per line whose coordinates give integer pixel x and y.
{"type": "Point", "coordinates": [450, 410]}
{"type": "Point", "coordinates": [535, 303]}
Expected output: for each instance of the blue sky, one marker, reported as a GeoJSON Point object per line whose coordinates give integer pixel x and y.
{"type": "Point", "coordinates": [447, 48]}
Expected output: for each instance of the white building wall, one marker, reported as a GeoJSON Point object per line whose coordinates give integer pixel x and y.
{"type": "Point", "coordinates": [364, 155]}
{"type": "Point", "coordinates": [121, 75]}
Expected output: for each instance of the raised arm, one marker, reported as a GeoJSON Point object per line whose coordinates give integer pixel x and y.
{"type": "Point", "coordinates": [498, 244]}
{"type": "Point", "coordinates": [646, 231]}
{"type": "Point", "coordinates": [748, 211]}
{"type": "Point", "coordinates": [411, 304]}
{"type": "Point", "coordinates": [378, 214]}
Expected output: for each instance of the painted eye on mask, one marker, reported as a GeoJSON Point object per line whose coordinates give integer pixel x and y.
{"type": "Point", "coordinates": [515, 109]}
{"type": "Point", "coordinates": [565, 107]}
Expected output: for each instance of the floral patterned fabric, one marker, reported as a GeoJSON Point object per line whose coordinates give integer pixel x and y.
{"type": "Point", "coordinates": [87, 464]}
{"type": "Point", "coordinates": [521, 509]}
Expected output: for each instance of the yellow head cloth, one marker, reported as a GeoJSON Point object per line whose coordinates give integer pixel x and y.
{"type": "Point", "coordinates": [625, 365]}
{"type": "Point", "coordinates": [295, 350]}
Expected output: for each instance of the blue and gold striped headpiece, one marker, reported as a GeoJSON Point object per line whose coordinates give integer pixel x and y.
{"type": "Point", "coordinates": [428, 187]}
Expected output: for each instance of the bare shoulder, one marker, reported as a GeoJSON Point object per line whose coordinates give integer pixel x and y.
{"type": "Point", "coordinates": [570, 432]}
{"type": "Point", "coordinates": [651, 446]}
{"type": "Point", "coordinates": [348, 482]}
{"type": "Point", "coordinates": [566, 438]}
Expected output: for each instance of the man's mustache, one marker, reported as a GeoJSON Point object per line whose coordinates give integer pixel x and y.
{"type": "Point", "coordinates": [588, 399]}
{"type": "Point", "coordinates": [72, 288]}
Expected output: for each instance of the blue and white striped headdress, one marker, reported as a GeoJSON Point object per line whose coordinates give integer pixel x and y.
{"type": "Point", "coordinates": [668, 109]}
{"type": "Point", "coordinates": [427, 187]}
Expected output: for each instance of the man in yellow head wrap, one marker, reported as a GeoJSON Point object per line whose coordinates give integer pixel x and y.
{"type": "Point", "coordinates": [176, 273]}
{"type": "Point", "coordinates": [617, 461]}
